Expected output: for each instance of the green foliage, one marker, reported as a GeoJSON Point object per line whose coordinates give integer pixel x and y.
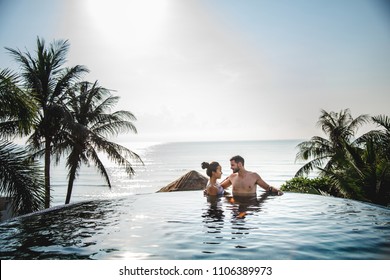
{"type": "Point", "coordinates": [319, 185]}
{"type": "Point", "coordinates": [326, 153]}
{"type": "Point", "coordinates": [356, 167]}
{"type": "Point", "coordinates": [16, 109]}
{"type": "Point", "coordinates": [20, 178]}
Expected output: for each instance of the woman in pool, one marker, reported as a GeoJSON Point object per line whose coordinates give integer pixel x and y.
{"type": "Point", "coordinates": [214, 171]}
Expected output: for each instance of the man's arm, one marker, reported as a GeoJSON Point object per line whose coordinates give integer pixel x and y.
{"type": "Point", "coordinates": [267, 187]}
{"type": "Point", "coordinates": [226, 183]}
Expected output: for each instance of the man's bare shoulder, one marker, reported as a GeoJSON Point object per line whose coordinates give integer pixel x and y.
{"type": "Point", "coordinates": [253, 174]}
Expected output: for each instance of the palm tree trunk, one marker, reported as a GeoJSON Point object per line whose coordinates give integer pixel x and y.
{"type": "Point", "coordinates": [72, 176]}
{"type": "Point", "coordinates": [47, 173]}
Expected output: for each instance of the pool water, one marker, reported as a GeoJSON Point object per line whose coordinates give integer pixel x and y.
{"type": "Point", "coordinates": [187, 226]}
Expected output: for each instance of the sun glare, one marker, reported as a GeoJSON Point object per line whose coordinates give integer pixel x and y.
{"type": "Point", "coordinates": [132, 21]}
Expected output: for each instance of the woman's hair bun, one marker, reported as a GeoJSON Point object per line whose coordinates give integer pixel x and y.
{"type": "Point", "coordinates": [205, 165]}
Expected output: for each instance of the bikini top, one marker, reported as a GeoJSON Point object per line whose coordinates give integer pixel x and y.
{"type": "Point", "coordinates": [219, 188]}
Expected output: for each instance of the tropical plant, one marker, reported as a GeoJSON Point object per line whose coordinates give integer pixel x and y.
{"type": "Point", "coordinates": [20, 179]}
{"type": "Point", "coordinates": [329, 154]}
{"type": "Point", "coordinates": [46, 80]}
{"type": "Point", "coordinates": [382, 136]}
{"type": "Point", "coordinates": [383, 144]}
{"type": "Point", "coordinates": [366, 174]}
{"type": "Point", "coordinates": [318, 185]}
{"type": "Point", "coordinates": [89, 134]}
{"type": "Point", "coordinates": [357, 168]}
{"type": "Point", "coordinates": [17, 111]}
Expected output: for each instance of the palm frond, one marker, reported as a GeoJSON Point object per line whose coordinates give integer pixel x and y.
{"type": "Point", "coordinates": [347, 185]}
{"type": "Point", "coordinates": [114, 128]}
{"type": "Point", "coordinates": [383, 121]}
{"type": "Point", "coordinates": [358, 122]}
{"type": "Point", "coordinates": [20, 178]}
{"type": "Point", "coordinates": [68, 77]}
{"type": "Point", "coordinates": [17, 109]}
{"type": "Point", "coordinates": [316, 147]}
{"type": "Point", "coordinates": [310, 166]}
{"type": "Point", "coordinates": [106, 105]}
{"type": "Point", "coordinates": [116, 152]}
{"type": "Point", "coordinates": [100, 166]}
{"type": "Point", "coordinates": [10, 128]}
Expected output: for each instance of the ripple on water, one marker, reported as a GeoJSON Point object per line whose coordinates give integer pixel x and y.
{"type": "Point", "coordinates": [186, 225]}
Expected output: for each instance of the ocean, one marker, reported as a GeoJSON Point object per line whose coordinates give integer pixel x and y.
{"type": "Point", "coordinates": [166, 162]}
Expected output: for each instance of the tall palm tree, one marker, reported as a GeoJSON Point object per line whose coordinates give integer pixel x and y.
{"type": "Point", "coordinates": [88, 135]}
{"type": "Point", "coordinates": [20, 179]}
{"type": "Point", "coordinates": [46, 79]}
{"type": "Point", "coordinates": [328, 153]}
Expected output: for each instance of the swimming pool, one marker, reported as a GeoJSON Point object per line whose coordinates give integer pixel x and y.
{"type": "Point", "coordinates": [188, 226]}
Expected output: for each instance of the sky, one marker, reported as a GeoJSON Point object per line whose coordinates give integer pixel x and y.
{"type": "Point", "coordinates": [209, 70]}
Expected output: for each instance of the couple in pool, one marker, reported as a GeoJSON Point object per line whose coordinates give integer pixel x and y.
{"type": "Point", "coordinates": [244, 182]}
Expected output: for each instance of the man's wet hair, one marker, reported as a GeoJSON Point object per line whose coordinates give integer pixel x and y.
{"type": "Point", "coordinates": [238, 159]}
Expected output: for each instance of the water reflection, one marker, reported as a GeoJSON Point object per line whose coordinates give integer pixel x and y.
{"type": "Point", "coordinates": [241, 206]}
{"type": "Point", "coordinates": [221, 227]}
{"type": "Point", "coordinates": [43, 236]}
{"type": "Point", "coordinates": [184, 225]}
{"type": "Point", "coordinates": [215, 212]}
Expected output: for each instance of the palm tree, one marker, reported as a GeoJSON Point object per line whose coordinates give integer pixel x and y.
{"type": "Point", "coordinates": [328, 154]}
{"type": "Point", "coordinates": [358, 168]}
{"type": "Point", "coordinates": [45, 78]}
{"type": "Point", "coordinates": [20, 179]}
{"type": "Point", "coordinates": [88, 135]}
{"type": "Point", "coordinates": [366, 174]}
{"type": "Point", "coordinates": [372, 168]}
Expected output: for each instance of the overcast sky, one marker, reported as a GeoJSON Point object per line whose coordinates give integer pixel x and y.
{"type": "Point", "coordinates": [219, 69]}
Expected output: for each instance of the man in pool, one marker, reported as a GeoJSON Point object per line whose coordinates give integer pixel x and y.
{"type": "Point", "coordinates": [243, 181]}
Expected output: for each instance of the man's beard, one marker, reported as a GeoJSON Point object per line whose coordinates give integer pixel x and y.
{"type": "Point", "coordinates": [235, 170]}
